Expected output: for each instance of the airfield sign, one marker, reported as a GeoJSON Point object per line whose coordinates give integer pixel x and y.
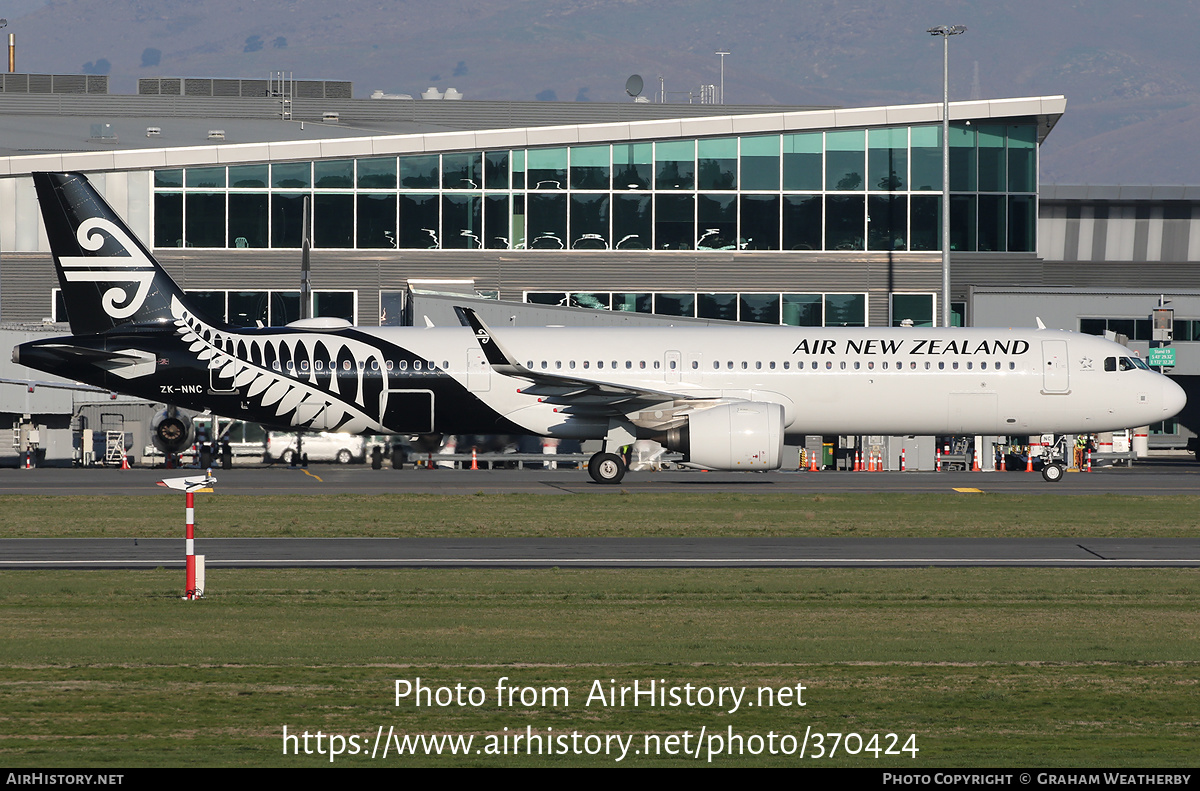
{"type": "Point", "coordinates": [1163, 356]}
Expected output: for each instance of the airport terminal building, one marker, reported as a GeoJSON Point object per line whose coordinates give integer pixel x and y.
{"type": "Point", "coordinates": [806, 216]}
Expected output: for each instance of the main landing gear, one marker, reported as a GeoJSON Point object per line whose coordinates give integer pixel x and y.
{"type": "Point", "coordinates": [607, 468]}
{"type": "Point", "coordinates": [609, 465]}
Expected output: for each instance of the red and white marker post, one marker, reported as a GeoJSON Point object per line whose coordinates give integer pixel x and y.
{"type": "Point", "coordinates": [191, 485]}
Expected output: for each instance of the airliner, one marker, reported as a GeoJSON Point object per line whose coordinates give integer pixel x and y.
{"type": "Point", "coordinates": [725, 397]}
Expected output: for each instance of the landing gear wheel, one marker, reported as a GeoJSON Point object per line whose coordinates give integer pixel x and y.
{"type": "Point", "coordinates": [1053, 472]}
{"type": "Point", "coordinates": [606, 468]}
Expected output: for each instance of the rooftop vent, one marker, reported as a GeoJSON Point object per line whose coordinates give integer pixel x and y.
{"type": "Point", "coordinates": [102, 133]}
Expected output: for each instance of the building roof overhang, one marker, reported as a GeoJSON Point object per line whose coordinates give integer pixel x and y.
{"type": "Point", "coordinates": [1045, 109]}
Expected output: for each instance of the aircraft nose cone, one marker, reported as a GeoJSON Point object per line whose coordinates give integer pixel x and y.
{"type": "Point", "coordinates": [1174, 398]}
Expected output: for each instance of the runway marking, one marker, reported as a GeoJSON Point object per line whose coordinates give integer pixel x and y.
{"type": "Point", "coordinates": [309, 474]}
{"type": "Point", "coordinates": [294, 563]}
{"type": "Point", "coordinates": [968, 489]}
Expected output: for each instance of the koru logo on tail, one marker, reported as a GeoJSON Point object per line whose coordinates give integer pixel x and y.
{"type": "Point", "coordinates": [482, 335]}
{"type": "Point", "coordinates": [132, 269]}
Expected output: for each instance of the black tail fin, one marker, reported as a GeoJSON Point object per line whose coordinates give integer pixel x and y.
{"type": "Point", "coordinates": [108, 278]}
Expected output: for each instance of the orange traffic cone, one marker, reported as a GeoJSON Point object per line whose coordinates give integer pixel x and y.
{"type": "Point", "coordinates": [124, 460]}
{"type": "Point", "coordinates": [474, 459]}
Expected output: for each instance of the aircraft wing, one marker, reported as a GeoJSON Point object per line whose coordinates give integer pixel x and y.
{"type": "Point", "coordinates": [574, 394]}
{"type": "Point", "coordinates": [59, 385]}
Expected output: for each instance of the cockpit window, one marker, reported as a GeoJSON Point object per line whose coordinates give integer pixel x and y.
{"type": "Point", "coordinates": [1125, 364]}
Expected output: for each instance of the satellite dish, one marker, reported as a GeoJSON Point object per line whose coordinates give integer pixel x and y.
{"type": "Point", "coordinates": [633, 85]}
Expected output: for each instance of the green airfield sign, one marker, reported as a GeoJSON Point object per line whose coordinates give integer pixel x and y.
{"type": "Point", "coordinates": [1162, 356]}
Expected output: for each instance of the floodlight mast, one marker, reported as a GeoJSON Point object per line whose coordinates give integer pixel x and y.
{"type": "Point", "coordinates": [722, 52]}
{"type": "Point", "coordinates": [946, 31]}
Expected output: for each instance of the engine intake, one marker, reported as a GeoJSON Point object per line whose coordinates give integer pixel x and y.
{"type": "Point", "coordinates": [742, 436]}
{"type": "Point", "coordinates": [172, 431]}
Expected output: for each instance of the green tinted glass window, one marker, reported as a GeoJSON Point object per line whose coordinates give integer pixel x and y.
{"type": "Point", "coordinates": [377, 220]}
{"type": "Point", "coordinates": [462, 171]}
{"type": "Point", "coordinates": [589, 167]}
{"type": "Point", "coordinates": [760, 162]}
{"type": "Point", "coordinates": [547, 169]}
{"type": "Point", "coordinates": [633, 166]}
{"type": "Point", "coordinates": [495, 170]}
{"type": "Point", "coordinates": [419, 221]}
{"type": "Point", "coordinates": [248, 176]}
{"type": "Point", "coordinates": [333, 173]}
{"type": "Point", "coordinates": [205, 213]}
{"type": "Point", "coordinates": [802, 161]}
{"type": "Point", "coordinates": [168, 219]}
{"type": "Point", "coordinates": [589, 221]}
{"type": "Point", "coordinates": [845, 160]}
{"type": "Point", "coordinates": [760, 308]}
{"type": "Point", "coordinates": [926, 158]}
{"type": "Point", "coordinates": [462, 222]}
{"type": "Point", "coordinates": [377, 173]}
{"type": "Point", "coordinates": [333, 220]}
{"type": "Point", "coordinates": [205, 177]}
{"type": "Point", "coordinates": [717, 215]}
{"type": "Point", "coordinates": [845, 310]}
{"type": "Point", "coordinates": [803, 310]}
{"type": "Point", "coordinates": [844, 222]}
{"type": "Point", "coordinates": [917, 308]}
{"type": "Point", "coordinates": [717, 168]}
{"type": "Point", "coordinates": [420, 172]}
{"type": "Point", "coordinates": [291, 175]}
{"type": "Point", "coordinates": [675, 165]}
{"type": "Point", "coordinates": [674, 222]}
{"type": "Point", "coordinates": [962, 158]}
{"type": "Point", "coordinates": [248, 219]}
{"type": "Point", "coordinates": [802, 222]}
{"type": "Point", "coordinates": [1022, 158]}
{"type": "Point", "coordinates": [168, 178]}
{"type": "Point", "coordinates": [993, 175]}
{"type": "Point", "coordinates": [887, 159]}
{"type": "Point", "coordinates": [760, 222]}
{"type": "Point", "coordinates": [717, 306]}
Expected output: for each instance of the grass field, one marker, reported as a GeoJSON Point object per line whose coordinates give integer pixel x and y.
{"type": "Point", "coordinates": [986, 667]}
{"type": "Point", "coordinates": [982, 667]}
{"type": "Point", "coordinates": [594, 515]}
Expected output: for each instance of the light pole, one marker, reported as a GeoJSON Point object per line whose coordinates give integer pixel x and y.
{"type": "Point", "coordinates": [946, 31]}
{"type": "Point", "coordinates": [722, 53]}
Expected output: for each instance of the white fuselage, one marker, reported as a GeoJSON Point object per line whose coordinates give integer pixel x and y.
{"type": "Point", "coordinates": [829, 381]}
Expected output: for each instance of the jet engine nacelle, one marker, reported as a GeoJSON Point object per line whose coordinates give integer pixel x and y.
{"type": "Point", "coordinates": [171, 431]}
{"type": "Point", "coordinates": [742, 436]}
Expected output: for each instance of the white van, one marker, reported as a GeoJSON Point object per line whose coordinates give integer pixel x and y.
{"type": "Point", "coordinates": [322, 446]}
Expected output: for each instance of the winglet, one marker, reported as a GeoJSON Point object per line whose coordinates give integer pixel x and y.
{"type": "Point", "coordinates": [496, 355]}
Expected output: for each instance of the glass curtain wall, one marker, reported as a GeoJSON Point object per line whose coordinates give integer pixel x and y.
{"type": "Point", "coordinates": [875, 189]}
